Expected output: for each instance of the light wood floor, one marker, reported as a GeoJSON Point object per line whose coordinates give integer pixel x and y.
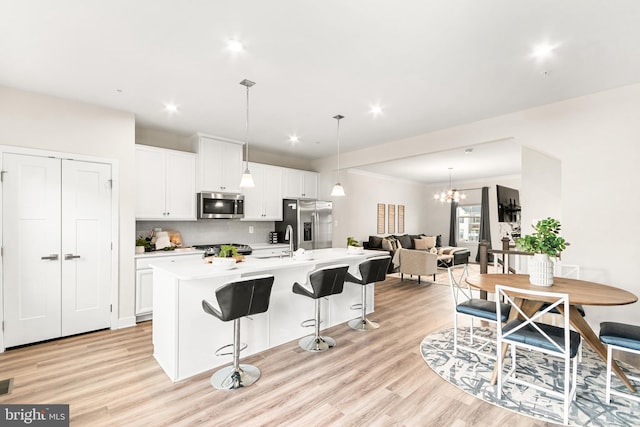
{"type": "Point", "coordinates": [377, 378]}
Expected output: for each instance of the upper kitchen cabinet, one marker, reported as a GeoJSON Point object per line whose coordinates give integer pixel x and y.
{"type": "Point", "coordinates": [165, 184]}
{"type": "Point", "coordinates": [219, 164]}
{"type": "Point", "coordinates": [299, 184]}
{"type": "Point", "coordinates": [264, 201]}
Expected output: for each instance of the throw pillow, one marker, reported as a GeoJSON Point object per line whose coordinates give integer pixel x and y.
{"type": "Point", "coordinates": [375, 242]}
{"type": "Point", "coordinates": [405, 241]}
{"type": "Point", "coordinates": [421, 244]}
{"type": "Point", "coordinates": [431, 241]}
{"type": "Point", "coordinates": [386, 245]}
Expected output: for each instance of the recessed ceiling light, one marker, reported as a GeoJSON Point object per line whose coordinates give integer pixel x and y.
{"type": "Point", "coordinates": [543, 50]}
{"type": "Point", "coordinates": [375, 109]}
{"type": "Point", "coordinates": [235, 45]}
{"type": "Point", "coordinates": [294, 139]}
{"type": "Point", "coordinates": [468, 151]}
{"type": "Point", "coordinates": [171, 108]}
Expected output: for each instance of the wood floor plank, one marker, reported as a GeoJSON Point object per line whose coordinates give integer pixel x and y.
{"type": "Point", "coordinates": [375, 378]}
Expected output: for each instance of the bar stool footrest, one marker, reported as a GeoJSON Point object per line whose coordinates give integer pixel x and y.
{"type": "Point", "coordinates": [243, 347]}
{"type": "Point", "coordinates": [309, 323]}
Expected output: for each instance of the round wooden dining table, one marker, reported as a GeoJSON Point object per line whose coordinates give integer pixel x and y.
{"type": "Point", "coordinates": [579, 292]}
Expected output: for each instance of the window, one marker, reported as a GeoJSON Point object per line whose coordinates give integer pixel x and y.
{"type": "Point", "coordinates": [468, 223]}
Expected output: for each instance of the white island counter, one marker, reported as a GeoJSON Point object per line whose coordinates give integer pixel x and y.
{"type": "Point", "coordinates": [185, 338]}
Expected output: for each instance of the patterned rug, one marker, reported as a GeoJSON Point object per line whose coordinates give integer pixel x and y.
{"type": "Point", "coordinates": [472, 374]}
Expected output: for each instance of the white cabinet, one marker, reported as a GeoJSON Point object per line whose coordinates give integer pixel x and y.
{"type": "Point", "coordinates": [144, 281]}
{"type": "Point", "coordinates": [219, 164]}
{"type": "Point", "coordinates": [299, 184]}
{"type": "Point", "coordinates": [165, 184]}
{"type": "Point", "coordinates": [264, 201]}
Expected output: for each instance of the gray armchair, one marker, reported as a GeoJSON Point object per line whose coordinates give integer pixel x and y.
{"type": "Point", "coordinates": [420, 263]}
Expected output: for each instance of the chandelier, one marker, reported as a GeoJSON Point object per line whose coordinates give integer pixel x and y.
{"type": "Point", "coordinates": [451, 195]}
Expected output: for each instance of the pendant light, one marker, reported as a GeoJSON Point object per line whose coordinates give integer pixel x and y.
{"type": "Point", "coordinates": [338, 190]}
{"type": "Point", "coordinates": [247, 179]}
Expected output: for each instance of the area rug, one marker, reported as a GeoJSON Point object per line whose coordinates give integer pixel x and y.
{"type": "Point", "coordinates": [472, 373]}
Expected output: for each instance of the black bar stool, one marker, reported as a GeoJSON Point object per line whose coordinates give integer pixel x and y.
{"type": "Point", "coordinates": [324, 282]}
{"type": "Point", "coordinates": [371, 270]}
{"type": "Point", "coordinates": [235, 300]}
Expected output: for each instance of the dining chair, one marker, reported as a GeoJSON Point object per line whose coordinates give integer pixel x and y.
{"type": "Point", "coordinates": [476, 309]}
{"type": "Point", "coordinates": [621, 337]}
{"type": "Point", "coordinates": [570, 271]}
{"type": "Point", "coordinates": [525, 332]}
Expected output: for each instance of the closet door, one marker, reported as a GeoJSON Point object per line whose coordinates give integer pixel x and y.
{"type": "Point", "coordinates": [86, 246]}
{"type": "Point", "coordinates": [31, 247]}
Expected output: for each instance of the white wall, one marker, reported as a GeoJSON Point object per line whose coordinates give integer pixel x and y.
{"type": "Point", "coordinates": [43, 122]}
{"type": "Point", "coordinates": [541, 193]}
{"type": "Point", "coordinates": [357, 212]}
{"type": "Point", "coordinates": [595, 138]}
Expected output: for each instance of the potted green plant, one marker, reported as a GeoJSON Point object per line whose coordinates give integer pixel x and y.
{"type": "Point", "coordinates": [353, 245]}
{"type": "Point", "coordinates": [230, 251]}
{"type": "Point", "coordinates": [141, 244]}
{"type": "Point", "coordinates": [544, 243]}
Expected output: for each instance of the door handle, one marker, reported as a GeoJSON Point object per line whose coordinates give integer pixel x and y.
{"type": "Point", "coordinates": [51, 257]}
{"type": "Point", "coordinates": [69, 256]}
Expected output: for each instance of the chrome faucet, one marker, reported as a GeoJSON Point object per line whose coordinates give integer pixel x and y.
{"type": "Point", "coordinates": [288, 234]}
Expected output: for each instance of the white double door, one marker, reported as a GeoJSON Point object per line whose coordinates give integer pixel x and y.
{"type": "Point", "coordinates": [56, 224]}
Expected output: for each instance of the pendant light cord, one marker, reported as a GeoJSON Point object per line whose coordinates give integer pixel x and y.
{"type": "Point", "coordinates": [338, 117]}
{"type": "Point", "coordinates": [338, 141]}
{"type": "Point", "coordinates": [246, 148]}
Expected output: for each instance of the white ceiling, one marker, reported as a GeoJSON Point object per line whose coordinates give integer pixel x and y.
{"type": "Point", "coordinates": [488, 160]}
{"type": "Point", "coordinates": [430, 64]}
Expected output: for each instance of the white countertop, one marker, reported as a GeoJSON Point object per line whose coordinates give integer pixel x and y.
{"type": "Point", "coordinates": [174, 252]}
{"type": "Point", "coordinates": [194, 269]}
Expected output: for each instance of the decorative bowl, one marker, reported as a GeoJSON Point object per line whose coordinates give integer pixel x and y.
{"type": "Point", "coordinates": [223, 263]}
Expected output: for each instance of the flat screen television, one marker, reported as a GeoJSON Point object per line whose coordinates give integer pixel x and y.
{"type": "Point", "coordinates": [508, 204]}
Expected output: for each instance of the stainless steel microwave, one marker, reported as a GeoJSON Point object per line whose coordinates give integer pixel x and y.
{"type": "Point", "coordinates": [220, 206]}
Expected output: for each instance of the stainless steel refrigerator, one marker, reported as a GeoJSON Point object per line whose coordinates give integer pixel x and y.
{"type": "Point", "coordinates": [311, 221]}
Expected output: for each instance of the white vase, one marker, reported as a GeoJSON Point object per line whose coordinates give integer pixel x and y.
{"type": "Point", "coordinates": [541, 270]}
{"type": "Point", "coordinates": [139, 249]}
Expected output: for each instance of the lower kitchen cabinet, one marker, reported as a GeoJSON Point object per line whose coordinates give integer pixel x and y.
{"type": "Point", "coordinates": [144, 280]}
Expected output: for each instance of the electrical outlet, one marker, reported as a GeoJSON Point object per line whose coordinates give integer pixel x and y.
{"type": "Point", "coordinates": [251, 229]}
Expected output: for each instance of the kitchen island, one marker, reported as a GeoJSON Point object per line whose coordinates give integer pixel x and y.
{"type": "Point", "coordinates": [185, 338]}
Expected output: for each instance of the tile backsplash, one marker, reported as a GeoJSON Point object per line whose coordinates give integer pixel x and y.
{"type": "Point", "coordinates": [211, 230]}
